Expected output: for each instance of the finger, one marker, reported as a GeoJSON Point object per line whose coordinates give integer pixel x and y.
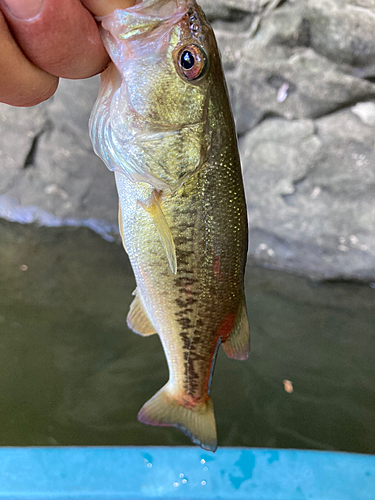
{"type": "Point", "coordinates": [104, 7]}
{"type": "Point", "coordinates": [61, 37]}
{"type": "Point", "coordinates": [21, 83]}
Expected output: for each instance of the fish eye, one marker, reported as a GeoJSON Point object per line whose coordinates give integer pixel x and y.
{"type": "Point", "coordinates": [192, 62]}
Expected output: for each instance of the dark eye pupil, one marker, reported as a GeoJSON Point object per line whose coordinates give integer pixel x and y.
{"type": "Point", "coordinates": [187, 60]}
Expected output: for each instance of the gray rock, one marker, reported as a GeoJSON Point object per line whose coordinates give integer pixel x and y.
{"type": "Point", "coordinates": [63, 177]}
{"type": "Point", "coordinates": [343, 30]}
{"type": "Point", "coordinates": [366, 112]}
{"type": "Point", "coordinates": [275, 74]}
{"type": "Point", "coordinates": [298, 85]}
{"type": "Point", "coordinates": [70, 107]}
{"type": "Point", "coordinates": [18, 128]}
{"type": "Point", "coordinates": [310, 191]}
{"type": "Point", "coordinates": [223, 9]}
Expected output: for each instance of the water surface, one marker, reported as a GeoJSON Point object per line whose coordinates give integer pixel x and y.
{"type": "Point", "coordinates": [71, 373]}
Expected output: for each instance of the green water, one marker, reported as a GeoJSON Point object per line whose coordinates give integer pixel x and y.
{"type": "Point", "coordinates": [71, 373]}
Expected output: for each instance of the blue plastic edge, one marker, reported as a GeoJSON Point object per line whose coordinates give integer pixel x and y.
{"type": "Point", "coordinates": [133, 473]}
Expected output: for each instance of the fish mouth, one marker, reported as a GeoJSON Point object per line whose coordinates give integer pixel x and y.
{"type": "Point", "coordinates": [143, 18]}
{"type": "Point", "coordinates": [142, 29]}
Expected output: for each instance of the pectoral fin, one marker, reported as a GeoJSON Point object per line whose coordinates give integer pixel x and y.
{"type": "Point", "coordinates": [138, 320]}
{"type": "Point", "coordinates": [238, 344]}
{"type": "Point", "coordinates": [154, 210]}
{"type": "Point", "coordinates": [120, 225]}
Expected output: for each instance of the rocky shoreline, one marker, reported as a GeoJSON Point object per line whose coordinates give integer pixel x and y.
{"type": "Point", "coordinates": [301, 75]}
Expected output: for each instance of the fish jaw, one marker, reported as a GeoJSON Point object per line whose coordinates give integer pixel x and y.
{"type": "Point", "coordinates": [140, 30]}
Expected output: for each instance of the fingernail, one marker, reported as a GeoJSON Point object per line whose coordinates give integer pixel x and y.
{"type": "Point", "coordinates": [24, 9]}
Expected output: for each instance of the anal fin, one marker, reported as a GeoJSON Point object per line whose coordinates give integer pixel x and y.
{"type": "Point", "coordinates": [238, 344]}
{"type": "Point", "coordinates": [137, 319]}
{"type": "Point", "coordinates": [154, 210]}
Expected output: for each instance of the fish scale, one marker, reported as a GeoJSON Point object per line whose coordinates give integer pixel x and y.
{"type": "Point", "coordinates": [183, 214]}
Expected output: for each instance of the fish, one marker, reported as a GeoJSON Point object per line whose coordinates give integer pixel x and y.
{"type": "Point", "coordinates": [163, 124]}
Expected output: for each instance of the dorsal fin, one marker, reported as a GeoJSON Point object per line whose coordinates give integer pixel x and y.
{"type": "Point", "coordinates": [154, 210]}
{"type": "Point", "coordinates": [137, 319]}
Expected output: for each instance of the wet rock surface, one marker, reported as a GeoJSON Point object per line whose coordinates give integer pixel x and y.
{"type": "Point", "coordinates": [301, 78]}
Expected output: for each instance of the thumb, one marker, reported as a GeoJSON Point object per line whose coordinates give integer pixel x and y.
{"type": "Point", "coordinates": [104, 7]}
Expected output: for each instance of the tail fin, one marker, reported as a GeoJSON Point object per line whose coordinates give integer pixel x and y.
{"type": "Point", "coordinates": [197, 423]}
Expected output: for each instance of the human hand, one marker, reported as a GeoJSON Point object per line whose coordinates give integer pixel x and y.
{"type": "Point", "coordinates": [42, 40]}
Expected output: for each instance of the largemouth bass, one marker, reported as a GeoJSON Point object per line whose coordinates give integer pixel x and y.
{"type": "Point", "coordinates": [162, 122]}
